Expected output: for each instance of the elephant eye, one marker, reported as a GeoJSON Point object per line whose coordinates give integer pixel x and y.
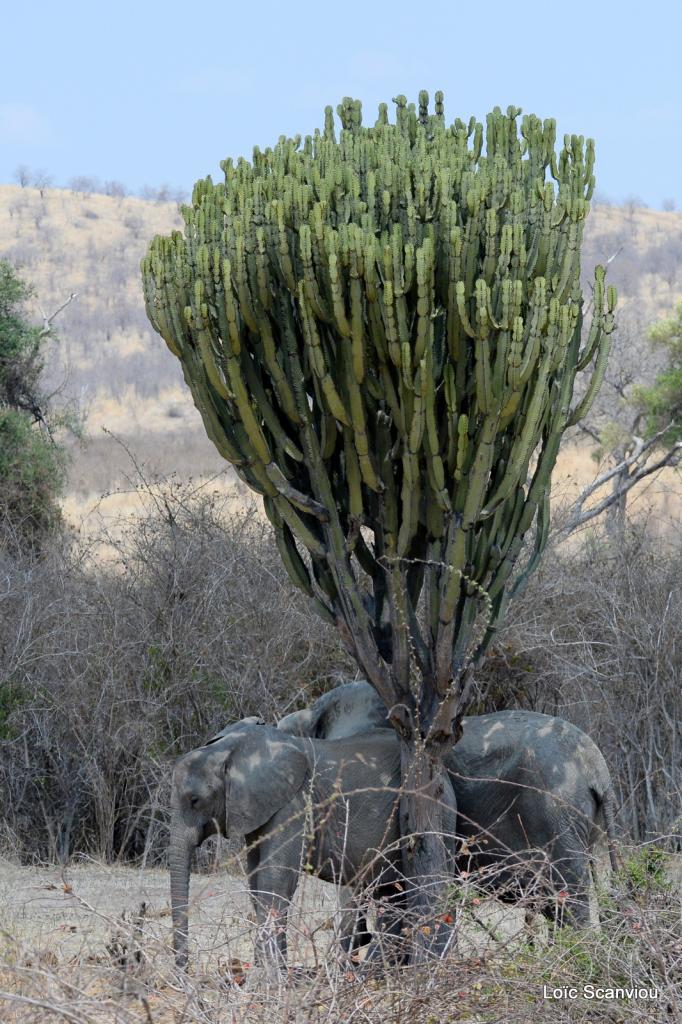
{"type": "Point", "coordinates": [194, 802]}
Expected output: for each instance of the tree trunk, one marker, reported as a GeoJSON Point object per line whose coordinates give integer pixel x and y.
{"type": "Point", "coordinates": [615, 516]}
{"type": "Point", "coordinates": [427, 818]}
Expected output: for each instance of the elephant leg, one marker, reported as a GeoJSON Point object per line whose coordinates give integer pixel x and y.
{"type": "Point", "coordinates": [353, 932]}
{"type": "Point", "coordinates": [271, 935]}
{"type": "Point", "coordinates": [388, 944]}
{"type": "Point", "coordinates": [363, 935]}
{"type": "Point", "coordinates": [271, 890]}
{"type": "Point", "coordinates": [357, 936]}
{"type": "Point", "coordinates": [571, 887]}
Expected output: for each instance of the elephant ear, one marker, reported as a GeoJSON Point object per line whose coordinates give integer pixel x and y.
{"type": "Point", "coordinates": [251, 720]}
{"type": "Point", "coordinates": [300, 723]}
{"type": "Point", "coordinates": [348, 710]}
{"type": "Point", "coordinates": [263, 773]}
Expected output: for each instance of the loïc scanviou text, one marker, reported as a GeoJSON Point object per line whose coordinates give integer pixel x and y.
{"type": "Point", "coordinates": [590, 991]}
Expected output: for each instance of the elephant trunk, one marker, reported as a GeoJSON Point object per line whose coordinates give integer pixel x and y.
{"type": "Point", "coordinates": [183, 842]}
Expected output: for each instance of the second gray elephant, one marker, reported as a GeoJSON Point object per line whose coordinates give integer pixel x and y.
{"type": "Point", "coordinates": [533, 795]}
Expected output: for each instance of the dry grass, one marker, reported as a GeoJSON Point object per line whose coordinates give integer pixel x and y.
{"type": "Point", "coordinates": [92, 945]}
{"type": "Point", "coordinates": [107, 357]}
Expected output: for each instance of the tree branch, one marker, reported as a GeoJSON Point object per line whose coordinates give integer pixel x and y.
{"type": "Point", "coordinates": [590, 431]}
{"type": "Point", "coordinates": [47, 320]}
{"type": "Point", "coordinates": [578, 517]}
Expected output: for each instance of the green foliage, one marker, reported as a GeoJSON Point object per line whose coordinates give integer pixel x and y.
{"type": "Point", "coordinates": [32, 466]}
{"type": "Point", "coordinates": [11, 698]}
{"type": "Point", "coordinates": [383, 332]}
{"type": "Point", "coordinates": [20, 344]}
{"type": "Point", "coordinates": [32, 473]}
{"type": "Point", "coordinates": [585, 957]}
{"type": "Point", "coordinates": [662, 402]}
{"type": "Point", "coordinates": [646, 870]}
{"type": "Point", "coordinates": [158, 671]}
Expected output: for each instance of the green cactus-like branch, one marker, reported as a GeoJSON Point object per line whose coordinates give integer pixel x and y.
{"type": "Point", "coordinates": [382, 334]}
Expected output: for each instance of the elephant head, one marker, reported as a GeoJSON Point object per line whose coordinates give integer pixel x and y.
{"type": "Point", "coordinates": [347, 710]}
{"type": "Point", "coordinates": [233, 785]}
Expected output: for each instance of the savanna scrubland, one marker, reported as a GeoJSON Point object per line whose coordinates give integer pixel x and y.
{"type": "Point", "coordinates": [163, 611]}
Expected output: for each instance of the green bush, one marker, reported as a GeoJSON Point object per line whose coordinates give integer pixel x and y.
{"type": "Point", "coordinates": [31, 463]}
{"type": "Point", "coordinates": [32, 473]}
{"type": "Point", "coordinates": [646, 869]}
{"type": "Point", "coordinates": [662, 402]}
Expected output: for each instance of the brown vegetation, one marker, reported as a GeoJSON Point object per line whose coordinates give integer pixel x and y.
{"type": "Point", "coordinates": [96, 950]}
{"type": "Point", "coordinates": [133, 641]}
{"type": "Point", "coordinates": [111, 670]}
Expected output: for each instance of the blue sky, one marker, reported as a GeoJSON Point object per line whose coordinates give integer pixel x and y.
{"type": "Point", "coordinates": [146, 92]}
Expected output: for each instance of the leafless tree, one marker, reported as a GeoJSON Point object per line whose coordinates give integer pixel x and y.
{"type": "Point", "coordinates": [22, 175]}
{"type": "Point", "coordinates": [616, 426]}
{"type": "Point", "coordinates": [41, 180]}
{"type": "Point", "coordinates": [115, 188]}
{"type": "Point", "coordinates": [637, 459]}
{"type": "Point", "coordinates": [83, 184]}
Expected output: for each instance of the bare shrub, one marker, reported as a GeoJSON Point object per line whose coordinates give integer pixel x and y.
{"type": "Point", "coordinates": [596, 639]}
{"type": "Point", "coordinates": [23, 176]}
{"type": "Point", "coordinates": [665, 259]}
{"type": "Point", "coordinates": [42, 181]}
{"type": "Point", "coordinates": [116, 189]}
{"type": "Point", "coordinates": [109, 669]}
{"type": "Point", "coordinates": [109, 672]}
{"type": "Point", "coordinates": [499, 971]}
{"type": "Point", "coordinates": [163, 193]}
{"type": "Point", "coordinates": [134, 223]}
{"type": "Point", "coordinates": [84, 184]}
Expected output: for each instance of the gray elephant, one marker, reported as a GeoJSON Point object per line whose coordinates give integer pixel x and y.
{"type": "Point", "coordinates": [533, 795]}
{"type": "Point", "coordinates": [297, 802]}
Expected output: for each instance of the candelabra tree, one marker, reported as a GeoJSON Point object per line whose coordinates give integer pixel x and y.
{"type": "Point", "coordinates": [382, 334]}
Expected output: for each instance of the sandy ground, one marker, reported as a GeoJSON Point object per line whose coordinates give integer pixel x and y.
{"type": "Point", "coordinates": [89, 911]}
{"type": "Point", "coordinates": [73, 947]}
{"type": "Point", "coordinates": [69, 942]}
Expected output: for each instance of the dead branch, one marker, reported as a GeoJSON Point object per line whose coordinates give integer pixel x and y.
{"type": "Point", "coordinates": [47, 320]}
{"type": "Point", "coordinates": [638, 458]}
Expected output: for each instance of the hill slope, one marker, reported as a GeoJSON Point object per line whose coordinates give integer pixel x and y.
{"type": "Point", "coordinates": [110, 360]}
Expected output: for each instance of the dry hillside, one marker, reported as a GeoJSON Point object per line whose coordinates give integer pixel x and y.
{"type": "Point", "coordinates": [110, 361]}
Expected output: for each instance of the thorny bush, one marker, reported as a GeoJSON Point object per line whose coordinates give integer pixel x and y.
{"type": "Point", "coordinates": [111, 669]}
